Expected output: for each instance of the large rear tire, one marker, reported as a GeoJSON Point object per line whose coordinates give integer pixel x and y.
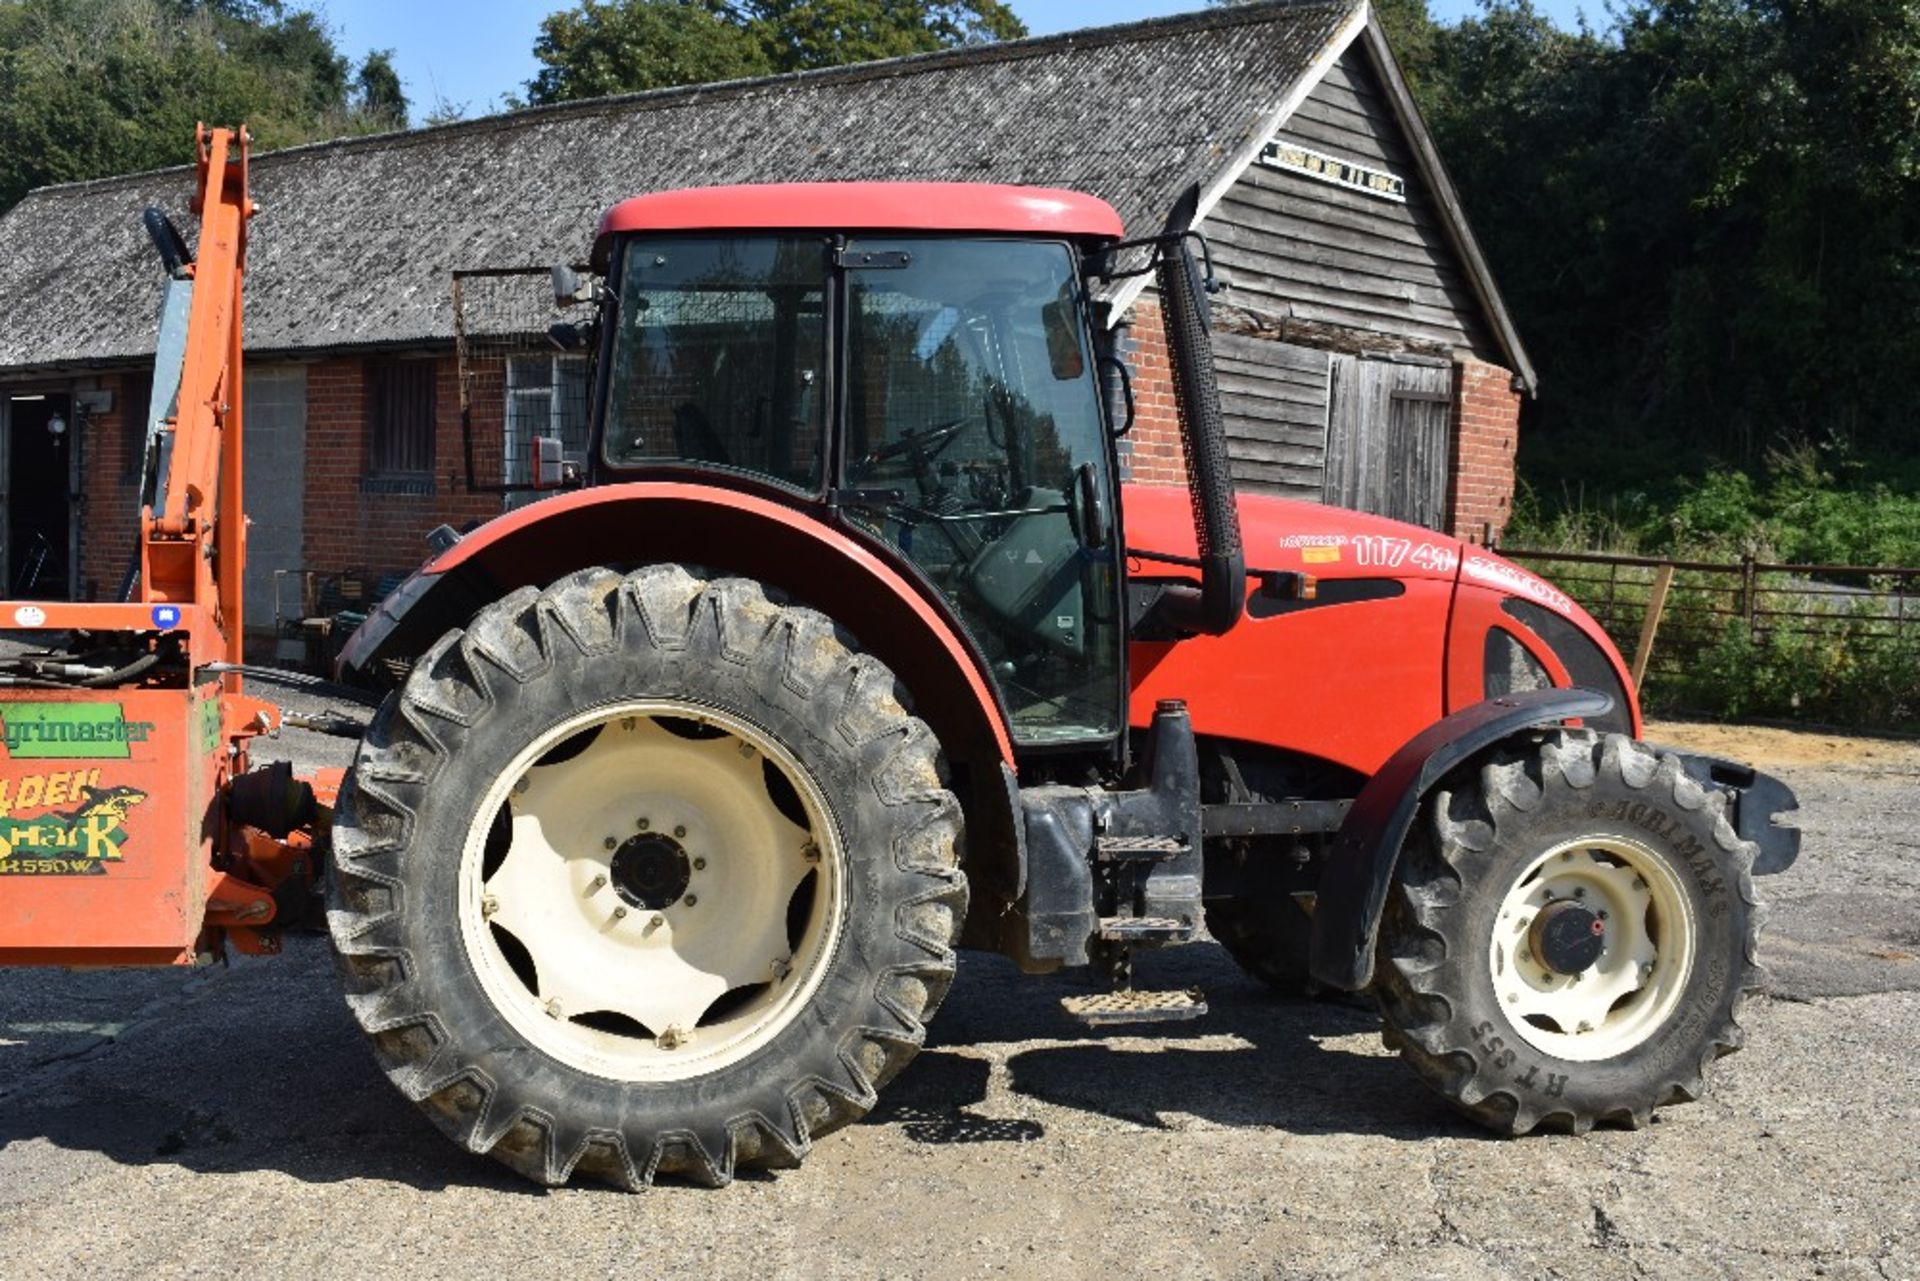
{"type": "Point", "coordinates": [1571, 938]}
{"type": "Point", "coordinates": [645, 874]}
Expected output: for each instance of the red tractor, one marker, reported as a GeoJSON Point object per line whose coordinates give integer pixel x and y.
{"type": "Point", "coordinates": [845, 646]}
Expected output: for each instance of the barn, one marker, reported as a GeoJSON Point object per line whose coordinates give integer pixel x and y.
{"type": "Point", "coordinates": [1364, 354]}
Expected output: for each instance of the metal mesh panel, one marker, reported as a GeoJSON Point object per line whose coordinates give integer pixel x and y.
{"type": "Point", "coordinates": [515, 384]}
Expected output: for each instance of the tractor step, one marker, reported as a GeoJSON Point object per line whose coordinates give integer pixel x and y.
{"type": "Point", "coordinates": [1096, 1009]}
{"type": "Point", "coordinates": [1112, 849]}
{"type": "Point", "coordinates": [1145, 929]}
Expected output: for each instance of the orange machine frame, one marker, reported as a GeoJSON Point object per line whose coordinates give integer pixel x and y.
{"type": "Point", "coordinates": [115, 843]}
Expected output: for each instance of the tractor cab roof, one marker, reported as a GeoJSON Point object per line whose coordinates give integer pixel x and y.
{"type": "Point", "coordinates": [865, 206]}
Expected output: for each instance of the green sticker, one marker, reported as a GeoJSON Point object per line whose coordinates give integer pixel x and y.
{"type": "Point", "coordinates": [67, 731]}
{"type": "Point", "coordinates": [207, 734]}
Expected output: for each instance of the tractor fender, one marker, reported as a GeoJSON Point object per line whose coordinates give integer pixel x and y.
{"type": "Point", "coordinates": [1353, 890]}
{"type": "Point", "coordinates": [725, 531]}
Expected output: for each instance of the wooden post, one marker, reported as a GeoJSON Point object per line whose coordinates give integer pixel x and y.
{"type": "Point", "coordinates": [1656, 606]}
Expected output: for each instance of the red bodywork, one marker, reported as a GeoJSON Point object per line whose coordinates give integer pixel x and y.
{"type": "Point", "coordinates": [849, 206]}
{"type": "Point", "coordinates": [1348, 682]}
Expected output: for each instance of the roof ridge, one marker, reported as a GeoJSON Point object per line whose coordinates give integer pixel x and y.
{"type": "Point", "coordinates": [1212, 18]}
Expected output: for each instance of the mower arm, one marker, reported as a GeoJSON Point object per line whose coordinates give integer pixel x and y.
{"type": "Point", "coordinates": [1353, 891]}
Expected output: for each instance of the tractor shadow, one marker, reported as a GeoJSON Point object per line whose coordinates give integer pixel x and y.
{"type": "Point", "coordinates": [259, 1068]}
{"type": "Point", "coordinates": [1255, 1060]}
{"type": "Point", "coordinates": [251, 1069]}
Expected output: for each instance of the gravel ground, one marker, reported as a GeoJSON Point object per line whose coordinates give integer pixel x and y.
{"type": "Point", "coordinates": [231, 1120]}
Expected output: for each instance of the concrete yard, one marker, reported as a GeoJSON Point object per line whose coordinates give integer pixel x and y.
{"type": "Point", "coordinates": [231, 1122]}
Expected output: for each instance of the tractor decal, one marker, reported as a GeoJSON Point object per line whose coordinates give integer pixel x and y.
{"type": "Point", "coordinates": [76, 842]}
{"type": "Point", "coordinates": [70, 731]}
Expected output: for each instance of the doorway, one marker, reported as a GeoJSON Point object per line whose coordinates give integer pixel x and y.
{"type": "Point", "coordinates": [35, 488]}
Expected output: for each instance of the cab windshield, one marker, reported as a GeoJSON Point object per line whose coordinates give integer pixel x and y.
{"type": "Point", "coordinates": [969, 434]}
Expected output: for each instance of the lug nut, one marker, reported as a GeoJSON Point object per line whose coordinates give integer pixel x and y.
{"type": "Point", "coordinates": [553, 1008]}
{"type": "Point", "coordinates": [699, 865]}
{"type": "Point", "coordinates": [810, 852]}
{"type": "Point", "coordinates": [746, 750]}
{"type": "Point", "coordinates": [782, 967]}
{"type": "Point", "coordinates": [643, 824]}
{"type": "Point", "coordinates": [620, 913]}
{"type": "Point", "coordinates": [1579, 892]}
{"type": "Point", "coordinates": [672, 1038]}
{"type": "Point", "coordinates": [489, 905]}
{"type": "Point", "coordinates": [522, 785]}
{"type": "Point", "coordinates": [679, 832]}
{"type": "Point", "coordinates": [597, 884]}
{"type": "Point", "coordinates": [1584, 1026]}
{"type": "Point", "coordinates": [657, 921]}
{"type": "Point", "coordinates": [611, 843]}
{"type": "Point", "coordinates": [691, 899]}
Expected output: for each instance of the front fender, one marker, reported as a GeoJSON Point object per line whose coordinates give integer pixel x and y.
{"type": "Point", "coordinates": [1353, 890]}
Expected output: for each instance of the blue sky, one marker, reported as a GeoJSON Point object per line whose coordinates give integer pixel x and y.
{"type": "Point", "coordinates": [472, 52]}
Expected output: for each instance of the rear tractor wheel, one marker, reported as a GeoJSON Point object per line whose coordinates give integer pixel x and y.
{"type": "Point", "coordinates": [1572, 937]}
{"type": "Point", "coordinates": [645, 874]}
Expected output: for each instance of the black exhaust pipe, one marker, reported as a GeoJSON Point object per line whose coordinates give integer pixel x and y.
{"type": "Point", "coordinates": [1216, 605]}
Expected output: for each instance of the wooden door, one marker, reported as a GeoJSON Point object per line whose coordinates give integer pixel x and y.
{"type": "Point", "coordinates": [1388, 438]}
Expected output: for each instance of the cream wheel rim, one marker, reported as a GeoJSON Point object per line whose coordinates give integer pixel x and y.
{"type": "Point", "coordinates": [651, 890]}
{"type": "Point", "coordinates": [1648, 938]}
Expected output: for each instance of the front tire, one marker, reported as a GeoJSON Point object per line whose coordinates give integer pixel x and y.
{"type": "Point", "coordinates": [645, 874]}
{"type": "Point", "coordinates": [1571, 938]}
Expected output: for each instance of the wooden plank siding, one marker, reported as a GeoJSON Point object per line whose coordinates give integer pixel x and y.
{"type": "Point", "coordinates": [1295, 246]}
{"type": "Point", "coordinates": [1273, 397]}
{"type": "Point", "coordinates": [1388, 439]}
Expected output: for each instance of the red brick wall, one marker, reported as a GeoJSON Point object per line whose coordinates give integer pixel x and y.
{"type": "Point", "coordinates": [109, 516]}
{"type": "Point", "coordinates": [1486, 423]}
{"type": "Point", "coordinates": [1151, 453]}
{"type": "Point", "coordinates": [351, 526]}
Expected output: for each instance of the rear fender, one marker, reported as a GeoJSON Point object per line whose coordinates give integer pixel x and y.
{"type": "Point", "coordinates": [730, 532]}
{"type": "Point", "coordinates": [1353, 890]}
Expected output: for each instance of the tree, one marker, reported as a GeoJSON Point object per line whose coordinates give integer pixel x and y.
{"type": "Point", "coordinates": [601, 47]}
{"type": "Point", "coordinates": [90, 88]}
{"type": "Point", "coordinates": [378, 95]}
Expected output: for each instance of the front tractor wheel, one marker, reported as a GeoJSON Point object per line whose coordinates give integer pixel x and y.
{"type": "Point", "coordinates": [645, 874]}
{"type": "Point", "coordinates": [1571, 938]}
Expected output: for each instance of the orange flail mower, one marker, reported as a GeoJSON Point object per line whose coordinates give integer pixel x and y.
{"type": "Point", "coordinates": [845, 646]}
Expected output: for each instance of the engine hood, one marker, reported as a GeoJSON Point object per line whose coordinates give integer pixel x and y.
{"type": "Point", "coordinates": [1333, 543]}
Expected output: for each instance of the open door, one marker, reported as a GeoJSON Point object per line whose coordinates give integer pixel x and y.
{"type": "Point", "coordinates": [36, 487]}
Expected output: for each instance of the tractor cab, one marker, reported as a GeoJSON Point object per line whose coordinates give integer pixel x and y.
{"type": "Point", "coordinates": [920, 363]}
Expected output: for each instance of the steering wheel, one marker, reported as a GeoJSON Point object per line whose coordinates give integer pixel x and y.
{"type": "Point", "coordinates": [925, 444]}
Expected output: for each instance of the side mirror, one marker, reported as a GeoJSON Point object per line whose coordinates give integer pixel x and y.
{"type": "Point", "coordinates": [1119, 367]}
{"type": "Point", "coordinates": [568, 288]}
{"type": "Point", "coordinates": [1060, 320]}
{"type": "Point", "coordinates": [552, 469]}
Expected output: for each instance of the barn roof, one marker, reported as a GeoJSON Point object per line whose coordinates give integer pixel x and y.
{"type": "Point", "coordinates": [357, 238]}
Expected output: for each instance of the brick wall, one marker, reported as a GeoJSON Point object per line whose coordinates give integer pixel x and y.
{"type": "Point", "coordinates": [349, 524]}
{"type": "Point", "coordinates": [1486, 430]}
{"type": "Point", "coordinates": [109, 515]}
{"type": "Point", "coordinates": [1151, 453]}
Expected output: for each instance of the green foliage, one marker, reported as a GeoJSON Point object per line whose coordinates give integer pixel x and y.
{"type": "Point", "coordinates": [90, 88]}
{"type": "Point", "coordinates": [1706, 220]}
{"type": "Point", "coordinates": [600, 47]}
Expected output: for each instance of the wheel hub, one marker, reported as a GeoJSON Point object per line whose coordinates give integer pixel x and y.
{"type": "Point", "coordinates": [650, 871]}
{"type": "Point", "coordinates": [1591, 947]}
{"type": "Point", "coordinates": [1567, 937]}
